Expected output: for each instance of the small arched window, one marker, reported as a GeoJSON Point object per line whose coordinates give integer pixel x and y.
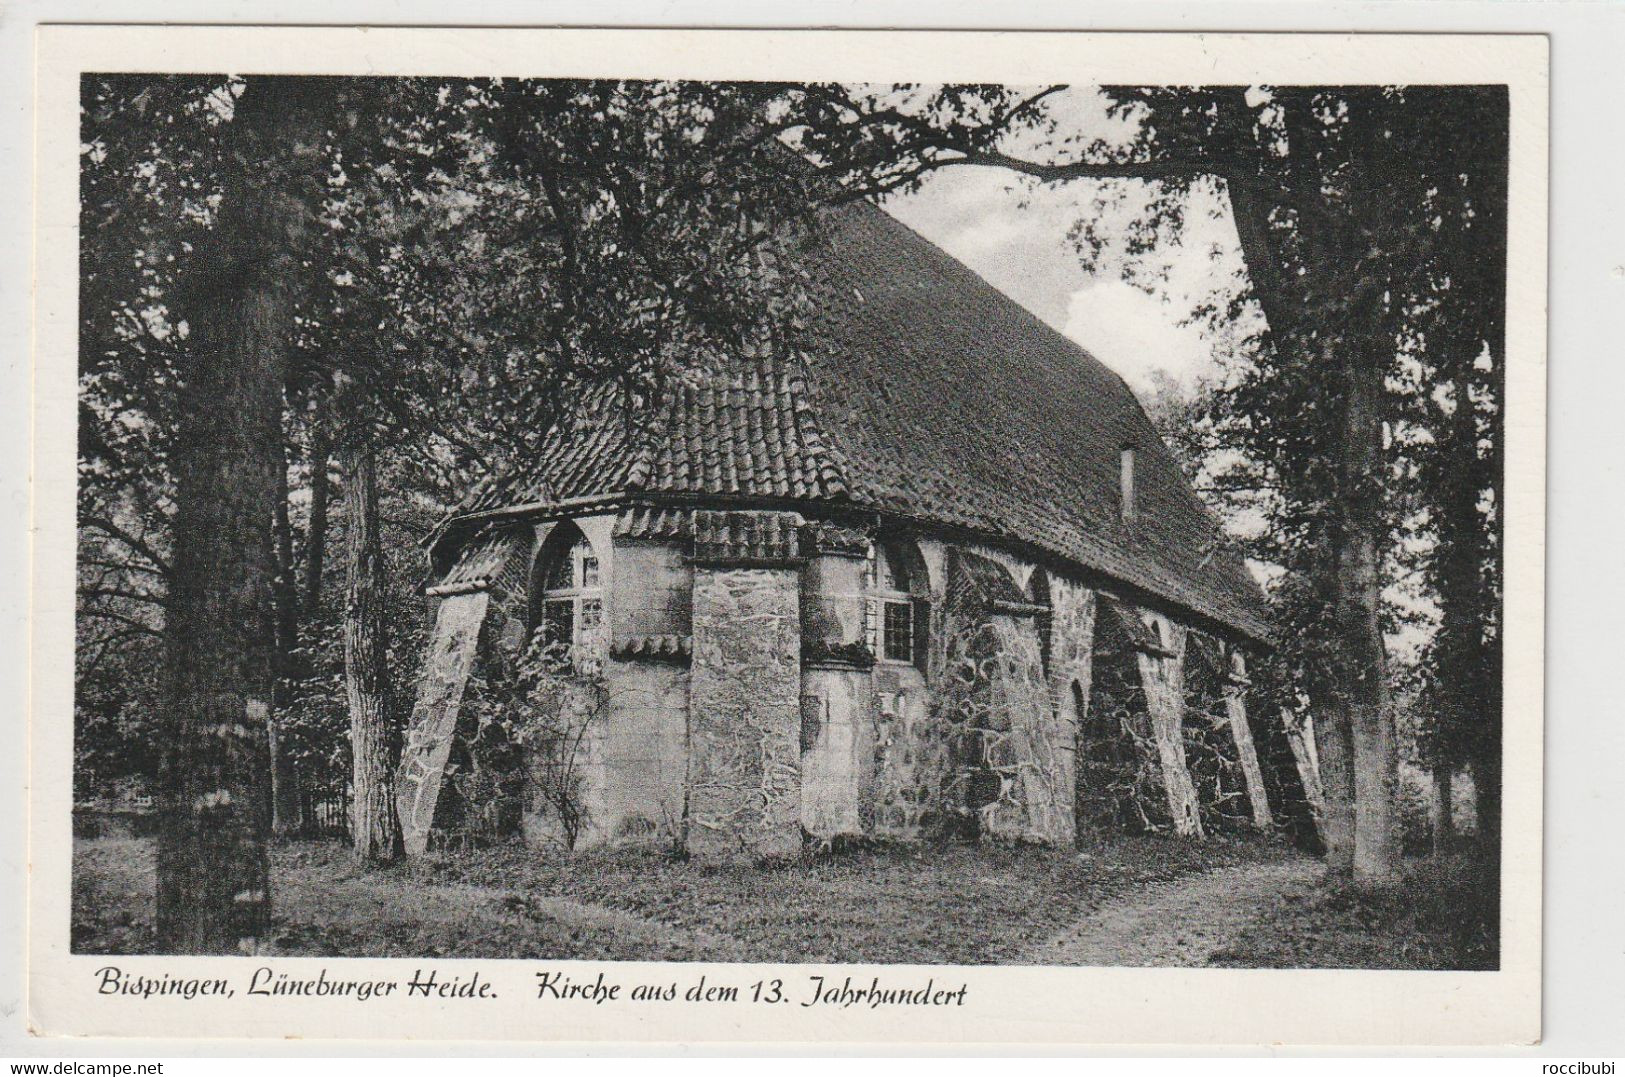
{"type": "Point", "coordinates": [568, 605]}
{"type": "Point", "coordinates": [891, 622]}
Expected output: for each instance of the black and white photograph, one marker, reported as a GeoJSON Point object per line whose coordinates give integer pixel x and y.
{"type": "Point", "coordinates": [889, 524]}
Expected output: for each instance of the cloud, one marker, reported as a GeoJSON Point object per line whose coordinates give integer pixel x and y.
{"type": "Point", "coordinates": [1014, 233]}
{"type": "Point", "coordinates": [1136, 335]}
{"type": "Point", "coordinates": [976, 215]}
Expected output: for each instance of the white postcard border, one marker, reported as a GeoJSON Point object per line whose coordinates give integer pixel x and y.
{"type": "Point", "coordinates": [1004, 1004]}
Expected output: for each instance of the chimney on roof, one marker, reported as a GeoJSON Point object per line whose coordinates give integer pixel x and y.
{"type": "Point", "coordinates": [1126, 484]}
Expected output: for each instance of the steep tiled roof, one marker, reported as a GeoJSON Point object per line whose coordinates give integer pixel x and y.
{"type": "Point", "coordinates": [592, 452]}
{"type": "Point", "coordinates": [745, 432]}
{"type": "Point", "coordinates": [751, 433]}
{"type": "Point", "coordinates": [746, 536]}
{"type": "Point", "coordinates": [478, 564]}
{"type": "Point", "coordinates": [955, 403]}
{"type": "Point", "coordinates": [932, 396]}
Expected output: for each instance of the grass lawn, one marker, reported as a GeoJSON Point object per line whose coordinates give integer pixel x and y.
{"type": "Point", "coordinates": [1444, 915]}
{"type": "Point", "coordinates": [949, 904]}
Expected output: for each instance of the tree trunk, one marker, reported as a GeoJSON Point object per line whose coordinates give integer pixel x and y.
{"type": "Point", "coordinates": [1487, 782]}
{"type": "Point", "coordinates": [1490, 260]}
{"type": "Point", "coordinates": [1468, 654]}
{"type": "Point", "coordinates": [219, 635]}
{"type": "Point", "coordinates": [284, 792]}
{"type": "Point", "coordinates": [1444, 810]}
{"type": "Point", "coordinates": [1362, 660]}
{"type": "Point", "coordinates": [374, 738]}
{"type": "Point", "coordinates": [1355, 737]}
{"type": "Point", "coordinates": [1459, 645]}
{"type": "Point", "coordinates": [1333, 729]}
{"type": "Point", "coordinates": [316, 533]}
{"type": "Point", "coordinates": [1335, 750]}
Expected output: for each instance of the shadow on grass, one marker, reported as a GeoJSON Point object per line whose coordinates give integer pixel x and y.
{"type": "Point", "coordinates": [924, 904]}
{"type": "Point", "coordinates": [928, 904]}
{"type": "Point", "coordinates": [1445, 915]}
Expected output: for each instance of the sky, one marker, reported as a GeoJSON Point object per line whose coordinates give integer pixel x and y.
{"type": "Point", "coordinates": [1014, 233]}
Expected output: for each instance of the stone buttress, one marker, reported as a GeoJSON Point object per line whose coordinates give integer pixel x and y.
{"type": "Point", "coordinates": [744, 703]}
{"type": "Point", "coordinates": [750, 706]}
{"type": "Point", "coordinates": [837, 686]}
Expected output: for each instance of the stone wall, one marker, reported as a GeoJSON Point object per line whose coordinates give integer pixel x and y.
{"type": "Point", "coordinates": [983, 742]}
{"type": "Point", "coordinates": [646, 747]}
{"type": "Point", "coordinates": [1119, 779]}
{"type": "Point", "coordinates": [911, 757]}
{"type": "Point", "coordinates": [650, 593]}
{"type": "Point", "coordinates": [745, 709]}
{"type": "Point", "coordinates": [837, 753]}
{"type": "Point", "coordinates": [744, 714]}
{"type": "Point", "coordinates": [914, 761]}
{"type": "Point", "coordinates": [992, 701]}
{"type": "Point", "coordinates": [565, 777]}
{"type": "Point", "coordinates": [832, 609]}
{"type": "Point", "coordinates": [1071, 673]}
{"type": "Point", "coordinates": [992, 706]}
{"type": "Point", "coordinates": [637, 749]}
{"type": "Point", "coordinates": [633, 760]}
{"type": "Point", "coordinates": [1210, 743]}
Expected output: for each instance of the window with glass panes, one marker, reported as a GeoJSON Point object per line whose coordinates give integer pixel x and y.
{"type": "Point", "coordinates": [897, 629]}
{"type": "Point", "coordinates": [572, 605]}
{"type": "Point", "coordinates": [891, 608]}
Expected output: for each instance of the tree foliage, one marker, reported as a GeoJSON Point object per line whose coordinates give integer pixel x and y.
{"type": "Point", "coordinates": [1372, 221]}
{"type": "Point", "coordinates": [482, 250]}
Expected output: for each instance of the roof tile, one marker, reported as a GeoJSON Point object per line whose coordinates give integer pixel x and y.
{"type": "Point", "coordinates": [933, 395]}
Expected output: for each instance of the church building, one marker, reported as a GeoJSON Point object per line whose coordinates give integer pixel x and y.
{"type": "Point", "coordinates": [877, 590]}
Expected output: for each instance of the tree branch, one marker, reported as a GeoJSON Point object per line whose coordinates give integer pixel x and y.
{"type": "Point", "coordinates": [125, 566]}
{"type": "Point", "coordinates": [118, 534]}
{"type": "Point", "coordinates": [1171, 168]}
{"type": "Point", "coordinates": [119, 592]}
{"type": "Point", "coordinates": [139, 626]}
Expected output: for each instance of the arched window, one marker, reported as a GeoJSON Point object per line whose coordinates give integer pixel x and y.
{"type": "Point", "coordinates": [891, 620]}
{"type": "Point", "coordinates": [567, 597]}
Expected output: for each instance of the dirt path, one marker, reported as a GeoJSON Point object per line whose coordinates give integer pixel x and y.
{"type": "Point", "coordinates": [1176, 924]}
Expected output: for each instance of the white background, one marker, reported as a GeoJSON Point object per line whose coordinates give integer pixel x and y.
{"type": "Point", "coordinates": [1585, 726]}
